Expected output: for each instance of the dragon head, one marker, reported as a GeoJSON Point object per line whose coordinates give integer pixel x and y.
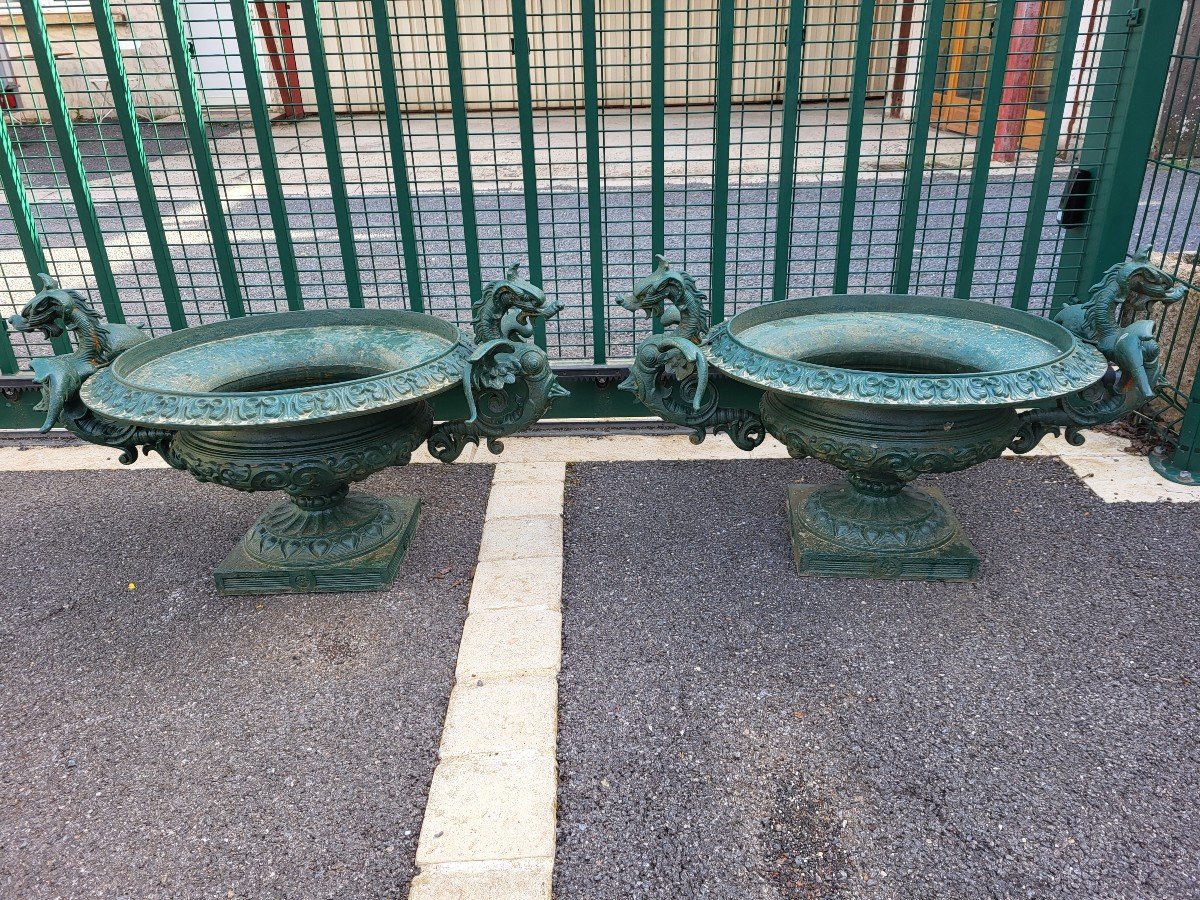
{"type": "Point", "coordinates": [517, 301]}
{"type": "Point", "coordinates": [1146, 283]}
{"type": "Point", "coordinates": [665, 292]}
{"type": "Point", "coordinates": [50, 310]}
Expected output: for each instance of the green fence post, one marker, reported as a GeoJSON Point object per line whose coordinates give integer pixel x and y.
{"type": "Point", "coordinates": [1047, 154]}
{"type": "Point", "coordinates": [30, 240]}
{"type": "Point", "coordinates": [260, 115]}
{"type": "Point", "coordinates": [1131, 75]}
{"type": "Point", "coordinates": [462, 147]}
{"type": "Point", "coordinates": [721, 135]}
{"type": "Point", "coordinates": [658, 135]}
{"type": "Point", "coordinates": [314, 39]}
{"type": "Point", "coordinates": [533, 225]}
{"type": "Point", "coordinates": [854, 129]}
{"type": "Point", "coordinates": [139, 167]}
{"type": "Point", "coordinates": [389, 84]}
{"type": "Point", "coordinates": [985, 138]}
{"type": "Point", "coordinates": [206, 176]}
{"type": "Point", "coordinates": [787, 150]}
{"type": "Point", "coordinates": [64, 134]}
{"type": "Point", "coordinates": [918, 143]}
{"type": "Point", "coordinates": [591, 102]}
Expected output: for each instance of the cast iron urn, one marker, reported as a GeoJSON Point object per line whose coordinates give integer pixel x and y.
{"type": "Point", "coordinates": [892, 387]}
{"type": "Point", "coordinates": [306, 403]}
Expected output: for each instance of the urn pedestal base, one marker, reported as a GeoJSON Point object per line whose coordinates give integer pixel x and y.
{"type": "Point", "coordinates": [355, 544]}
{"type": "Point", "coordinates": [839, 531]}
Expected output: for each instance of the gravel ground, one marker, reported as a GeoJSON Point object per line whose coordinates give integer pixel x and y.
{"type": "Point", "coordinates": [728, 729]}
{"type": "Point", "coordinates": [165, 742]}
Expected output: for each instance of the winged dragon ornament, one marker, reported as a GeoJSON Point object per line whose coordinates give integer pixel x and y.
{"type": "Point", "coordinates": [669, 374]}
{"type": "Point", "coordinates": [507, 380]}
{"type": "Point", "coordinates": [1135, 370]}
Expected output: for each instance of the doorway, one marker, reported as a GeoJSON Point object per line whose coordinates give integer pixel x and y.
{"type": "Point", "coordinates": [966, 49]}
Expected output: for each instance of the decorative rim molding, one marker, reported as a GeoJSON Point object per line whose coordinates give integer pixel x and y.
{"type": "Point", "coordinates": [108, 394]}
{"type": "Point", "coordinates": [1078, 367]}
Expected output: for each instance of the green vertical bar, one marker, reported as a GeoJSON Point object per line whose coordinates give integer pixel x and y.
{"type": "Point", "coordinates": [64, 134]}
{"type": "Point", "coordinates": [462, 146]}
{"type": "Point", "coordinates": [984, 140]}
{"type": "Point", "coordinates": [1130, 78]}
{"type": "Point", "coordinates": [391, 107]}
{"type": "Point", "coordinates": [658, 134]}
{"type": "Point", "coordinates": [854, 129]}
{"type": "Point", "coordinates": [27, 235]}
{"type": "Point", "coordinates": [721, 137]}
{"type": "Point", "coordinates": [591, 102]}
{"type": "Point", "coordinates": [787, 149]}
{"type": "Point", "coordinates": [914, 172]}
{"type": "Point", "coordinates": [1047, 154]}
{"type": "Point", "coordinates": [139, 168]}
{"type": "Point", "coordinates": [533, 226]}
{"type": "Point", "coordinates": [1187, 451]}
{"type": "Point", "coordinates": [193, 117]}
{"type": "Point", "coordinates": [260, 115]}
{"type": "Point", "coordinates": [314, 38]}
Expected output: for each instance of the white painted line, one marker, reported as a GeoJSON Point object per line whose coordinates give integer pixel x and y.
{"type": "Point", "coordinates": [489, 826]}
{"type": "Point", "coordinates": [1102, 463]}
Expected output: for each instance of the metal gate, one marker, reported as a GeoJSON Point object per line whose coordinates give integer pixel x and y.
{"type": "Point", "coordinates": [188, 160]}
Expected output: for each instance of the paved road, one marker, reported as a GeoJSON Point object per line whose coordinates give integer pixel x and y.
{"type": "Point", "coordinates": [167, 742]}
{"type": "Point", "coordinates": [730, 730]}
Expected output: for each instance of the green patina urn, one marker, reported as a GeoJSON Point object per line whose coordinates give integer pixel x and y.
{"type": "Point", "coordinates": [888, 388]}
{"type": "Point", "coordinates": [306, 403]}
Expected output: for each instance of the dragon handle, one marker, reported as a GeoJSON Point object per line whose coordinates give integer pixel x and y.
{"type": "Point", "coordinates": [669, 374]}
{"type": "Point", "coordinates": [55, 311]}
{"type": "Point", "coordinates": [1135, 369]}
{"type": "Point", "coordinates": [507, 381]}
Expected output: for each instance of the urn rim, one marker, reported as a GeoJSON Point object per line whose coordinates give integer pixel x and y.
{"type": "Point", "coordinates": [121, 391]}
{"type": "Point", "coordinates": [1071, 364]}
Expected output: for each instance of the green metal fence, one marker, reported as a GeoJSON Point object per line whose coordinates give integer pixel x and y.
{"type": "Point", "coordinates": [190, 160]}
{"type": "Point", "coordinates": [1170, 221]}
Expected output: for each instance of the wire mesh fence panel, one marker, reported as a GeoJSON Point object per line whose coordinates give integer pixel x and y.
{"type": "Point", "coordinates": [237, 157]}
{"type": "Point", "coordinates": [1169, 223]}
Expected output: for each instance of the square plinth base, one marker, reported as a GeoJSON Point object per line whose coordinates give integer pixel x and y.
{"type": "Point", "coordinates": [242, 574]}
{"type": "Point", "coordinates": [954, 560]}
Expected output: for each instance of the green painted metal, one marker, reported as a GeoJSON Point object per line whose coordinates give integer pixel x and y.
{"type": "Point", "coordinates": [246, 403]}
{"type": "Point", "coordinates": [64, 133]}
{"type": "Point", "coordinates": [1047, 154]}
{"type": "Point", "coordinates": [721, 137]}
{"type": "Point", "coordinates": [658, 133]}
{"type": "Point", "coordinates": [1132, 66]}
{"type": "Point", "coordinates": [686, 397]}
{"type": "Point", "coordinates": [533, 225]}
{"type": "Point", "coordinates": [314, 35]}
{"type": "Point", "coordinates": [854, 131]}
{"type": "Point", "coordinates": [787, 149]}
{"type": "Point", "coordinates": [985, 139]}
{"type": "Point", "coordinates": [139, 168]}
{"type": "Point", "coordinates": [380, 10]}
{"type": "Point", "coordinates": [889, 388]}
{"type": "Point", "coordinates": [260, 114]}
{"type": "Point", "coordinates": [27, 235]}
{"type": "Point", "coordinates": [591, 102]}
{"type": "Point", "coordinates": [193, 117]}
{"type": "Point", "coordinates": [462, 146]}
{"type": "Point", "coordinates": [918, 143]}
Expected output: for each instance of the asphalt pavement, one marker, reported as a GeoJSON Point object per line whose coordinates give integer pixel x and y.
{"type": "Point", "coordinates": [731, 730]}
{"type": "Point", "coordinates": [159, 741]}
